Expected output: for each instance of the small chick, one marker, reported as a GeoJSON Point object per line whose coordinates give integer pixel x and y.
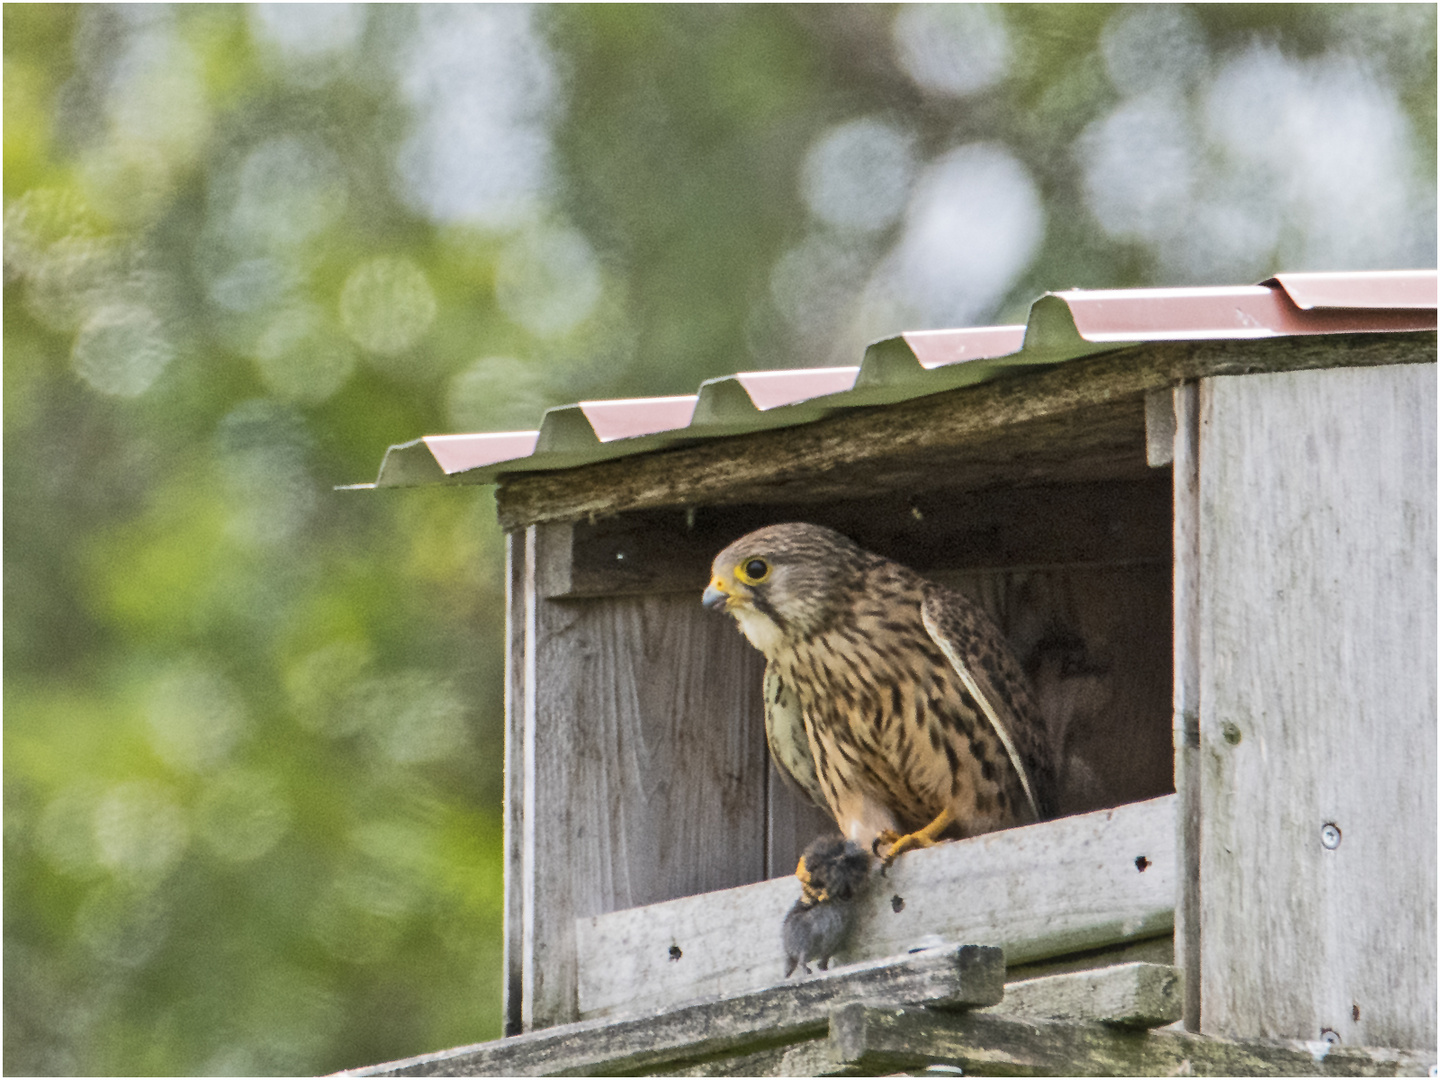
{"type": "Point", "coordinates": [831, 872]}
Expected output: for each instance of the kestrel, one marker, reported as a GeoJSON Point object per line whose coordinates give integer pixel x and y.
{"type": "Point", "coordinates": [891, 701]}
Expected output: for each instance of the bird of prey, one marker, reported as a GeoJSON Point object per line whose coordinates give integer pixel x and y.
{"type": "Point", "coordinates": [890, 700]}
{"type": "Point", "coordinates": [834, 870]}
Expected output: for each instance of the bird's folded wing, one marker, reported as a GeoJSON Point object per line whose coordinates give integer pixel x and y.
{"type": "Point", "coordinates": [785, 734]}
{"type": "Point", "coordinates": [978, 652]}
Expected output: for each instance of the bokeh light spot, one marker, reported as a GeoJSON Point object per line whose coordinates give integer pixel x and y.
{"type": "Point", "coordinates": [121, 350]}
{"type": "Point", "coordinates": [309, 35]}
{"type": "Point", "coordinates": [412, 716]}
{"type": "Point", "coordinates": [121, 925]}
{"type": "Point", "coordinates": [287, 189]}
{"type": "Point", "coordinates": [482, 83]}
{"type": "Point", "coordinates": [321, 683]}
{"type": "Point", "coordinates": [548, 280]}
{"type": "Point", "coordinates": [387, 305]}
{"type": "Point", "coordinates": [195, 717]}
{"type": "Point", "coordinates": [66, 831]}
{"type": "Point", "coordinates": [857, 175]}
{"type": "Point", "coordinates": [242, 815]}
{"type": "Point", "coordinates": [973, 224]}
{"type": "Point", "coordinates": [1151, 46]}
{"type": "Point", "coordinates": [301, 359]}
{"type": "Point", "coordinates": [814, 282]}
{"type": "Point", "coordinates": [952, 49]}
{"type": "Point", "coordinates": [139, 830]}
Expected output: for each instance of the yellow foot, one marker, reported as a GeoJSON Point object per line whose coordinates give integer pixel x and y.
{"type": "Point", "coordinates": [809, 893]}
{"type": "Point", "coordinates": [929, 836]}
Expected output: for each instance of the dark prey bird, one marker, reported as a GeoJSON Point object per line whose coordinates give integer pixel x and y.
{"type": "Point", "coordinates": [831, 872]}
{"type": "Point", "coordinates": [890, 700]}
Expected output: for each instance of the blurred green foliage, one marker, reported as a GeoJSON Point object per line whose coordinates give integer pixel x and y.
{"type": "Point", "coordinates": [254, 725]}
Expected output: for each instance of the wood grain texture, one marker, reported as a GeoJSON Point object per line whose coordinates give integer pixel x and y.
{"type": "Point", "coordinates": [955, 977]}
{"type": "Point", "coordinates": [1128, 995]}
{"type": "Point", "coordinates": [514, 792]}
{"type": "Point", "coordinates": [1185, 704]}
{"type": "Point", "coordinates": [1159, 427]}
{"type": "Point", "coordinates": [870, 1041]}
{"type": "Point", "coordinates": [939, 529]}
{"type": "Point", "coordinates": [1081, 420]}
{"type": "Point", "coordinates": [645, 761]}
{"type": "Point", "coordinates": [1318, 705]}
{"type": "Point", "coordinates": [1044, 890]}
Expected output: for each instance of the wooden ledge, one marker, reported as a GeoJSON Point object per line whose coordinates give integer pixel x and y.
{"type": "Point", "coordinates": [953, 977]}
{"type": "Point", "coordinates": [1045, 890]}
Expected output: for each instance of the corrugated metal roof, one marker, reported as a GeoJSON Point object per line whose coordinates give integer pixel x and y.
{"type": "Point", "coordinates": [1062, 326]}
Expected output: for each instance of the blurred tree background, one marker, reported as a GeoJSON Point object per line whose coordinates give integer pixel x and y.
{"type": "Point", "coordinates": [253, 725]}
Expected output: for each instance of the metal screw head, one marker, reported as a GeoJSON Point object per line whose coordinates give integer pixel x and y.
{"type": "Point", "coordinates": [1231, 733]}
{"type": "Point", "coordinates": [1330, 835]}
{"type": "Point", "coordinates": [1328, 1035]}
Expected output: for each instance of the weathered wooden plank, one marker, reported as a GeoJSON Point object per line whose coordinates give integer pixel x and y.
{"type": "Point", "coordinates": [644, 766]}
{"type": "Point", "coordinates": [1318, 705]}
{"type": "Point", "coordinates": [1115, 522]}
{"type": "Point", "coordinates": [872, 1041]}
{"type": "Point", "coordinates": [1156, 950]}
{"type": "Point", "coordinates": [1129, 995]}
{"type": "Point", "coordinates": [1185, 709]}
{"type": "Point", "coordinates": [514, 795]}
{"type": "Point", "coordinates": [1159, 427]}
{"type": "Point", "coordinates": [954, 977]}
{"type": "Point", "coordinates": [1044, 890]}
{"type": "Point", "coordinates": [1081, 420]}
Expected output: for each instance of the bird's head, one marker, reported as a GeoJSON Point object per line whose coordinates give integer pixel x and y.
{"type": "Point", "coordinates": [784, 583]}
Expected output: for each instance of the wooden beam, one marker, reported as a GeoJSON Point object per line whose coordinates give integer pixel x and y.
{"type": "Point", "coordinates": [1044, 890]}
{"type": "Point", "coordinates": [954, 977]}
{"type": "Point", "coordinates": [872, 1041]}
{"type": "Point", "coordinates": [1080, 420]}
{"type": "Point", "coordinates": [1135, 995]}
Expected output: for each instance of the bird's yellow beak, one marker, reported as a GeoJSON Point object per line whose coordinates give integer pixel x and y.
{"type": "Point", "coordinates": [715, 595]}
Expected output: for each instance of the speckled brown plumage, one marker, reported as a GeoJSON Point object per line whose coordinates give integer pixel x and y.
{"type": "Point", "coordinates": [890, 700]}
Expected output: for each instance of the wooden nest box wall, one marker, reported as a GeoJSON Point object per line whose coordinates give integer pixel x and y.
{"type": "Point", "coordinates": [1217, 560]}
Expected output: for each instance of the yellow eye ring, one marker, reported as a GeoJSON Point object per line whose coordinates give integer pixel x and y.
{"type": "Point", "coordinates": [753, 571]}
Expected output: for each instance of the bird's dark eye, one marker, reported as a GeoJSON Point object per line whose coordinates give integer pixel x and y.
{"type": "Point", "coordinates": [754, 571]}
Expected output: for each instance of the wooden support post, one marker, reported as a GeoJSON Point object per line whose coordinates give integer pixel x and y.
{"type": "Point", "coordinates": [1186, 473]}
{"type": "Point", "coordinates": [1317, 706]}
